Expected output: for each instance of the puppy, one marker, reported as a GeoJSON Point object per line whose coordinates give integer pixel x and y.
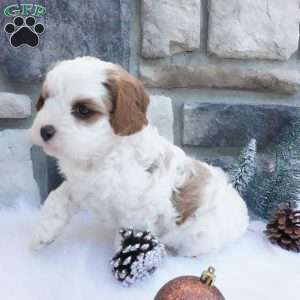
{"type": "Point", "coordinates": [92, 118]}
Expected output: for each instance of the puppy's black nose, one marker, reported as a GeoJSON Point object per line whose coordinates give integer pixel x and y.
{"type": "Point", "coordinates": [47, 132]}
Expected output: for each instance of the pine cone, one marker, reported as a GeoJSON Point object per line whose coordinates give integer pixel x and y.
{"type": "Point", "coordinates": [283, 228]}
{"type": "Point", "coordinates": [139, 256]}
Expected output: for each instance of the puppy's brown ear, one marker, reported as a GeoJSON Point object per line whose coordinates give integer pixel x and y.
{"type": "Point", "coordinates": [129, 102]}
{"type": "Point", "coordinates": [40, 103]}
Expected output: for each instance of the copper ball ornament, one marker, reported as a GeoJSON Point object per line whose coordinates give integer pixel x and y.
{"type": "Point", "coordinates": [191, 288]}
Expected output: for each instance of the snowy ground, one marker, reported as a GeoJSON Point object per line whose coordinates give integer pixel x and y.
{"type": "Point", "coordinates": [76, 266]}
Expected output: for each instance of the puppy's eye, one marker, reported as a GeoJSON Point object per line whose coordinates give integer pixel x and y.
{"type": "Point", "coordinates": [81, 111]}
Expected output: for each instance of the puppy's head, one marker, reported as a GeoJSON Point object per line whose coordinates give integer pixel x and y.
{"type": "Point", "coordinates": [86, 105]}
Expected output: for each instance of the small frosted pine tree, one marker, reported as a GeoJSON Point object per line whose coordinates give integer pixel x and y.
{"type": "Point", "coordinates": [244, 170]}
{"type": "Point", "coordinates": [269, 189]}
{"type": "Point", "coordinates": [258, 194]}
{"type": "Point", "coordinates": [286, 180]}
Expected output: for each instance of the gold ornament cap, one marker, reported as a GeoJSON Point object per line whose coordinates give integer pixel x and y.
{"type": "Point", "coordinates": [208, 277]}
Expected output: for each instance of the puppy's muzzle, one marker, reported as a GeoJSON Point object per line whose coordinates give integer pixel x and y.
{"type": "Point", "coordinates": [47, 132]}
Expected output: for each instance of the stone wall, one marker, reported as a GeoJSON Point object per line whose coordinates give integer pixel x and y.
{"type": "Point", "coordinates": [231, 68]}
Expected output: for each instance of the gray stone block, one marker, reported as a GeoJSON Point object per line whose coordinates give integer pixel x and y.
{"type": "Point", "coordinates": [40, 171]}
{"type": "Point", "coordinates": [220, 125]}
{"type": "Point", "coordinates": [72, 28]}
{"type": "Point", "coordinates": [160, 114]}
{"type": "Point", "coordinates": [253, 28]}
{"type": "Point", "coordinates": [226, 158]}
{"type": "Point", "coordinates": [17, 182]}
{"type": "Point", "coordinates": [14, 106]}
{"type": "Point", "coordinates": [170, 27]}
{"type": "Point", "coordinates": [45, 172]}
{"type": "Point", "coordinates": [285, 81]}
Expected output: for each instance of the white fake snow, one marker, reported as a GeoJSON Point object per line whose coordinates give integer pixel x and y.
{"type": "Point", "coordinates": [76, 266]}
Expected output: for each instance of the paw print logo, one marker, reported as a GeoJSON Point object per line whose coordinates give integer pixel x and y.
{"type": "Point", "coordinates": [24, 32]}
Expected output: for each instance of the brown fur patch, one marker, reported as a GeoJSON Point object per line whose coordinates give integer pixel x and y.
{"type": "Point", "coordinates": [42, 99]}
{"type": "Point", "coordinates": [129, 100]}
{"type": "Point", "coordinates": [188, 198]}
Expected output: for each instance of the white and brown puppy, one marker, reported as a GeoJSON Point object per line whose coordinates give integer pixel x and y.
{"type": "Point", "coordinates": [92, 117]}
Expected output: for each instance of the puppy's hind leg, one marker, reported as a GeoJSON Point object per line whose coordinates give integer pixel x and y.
{"type": "Point", "coordinates": [55, 214]}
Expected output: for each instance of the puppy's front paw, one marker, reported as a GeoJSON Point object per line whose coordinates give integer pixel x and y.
{"type": "Point", "coordinates": [40, 241]}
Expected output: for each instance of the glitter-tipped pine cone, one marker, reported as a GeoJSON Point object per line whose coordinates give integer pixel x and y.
{"type": "Point", "coordinates": [283, 228]}
{"type": "Point", "coordinates": [139, 256]}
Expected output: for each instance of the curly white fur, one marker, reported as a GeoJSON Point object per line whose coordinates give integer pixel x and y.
{"type": "Point", "coordinates": [127, 180]}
